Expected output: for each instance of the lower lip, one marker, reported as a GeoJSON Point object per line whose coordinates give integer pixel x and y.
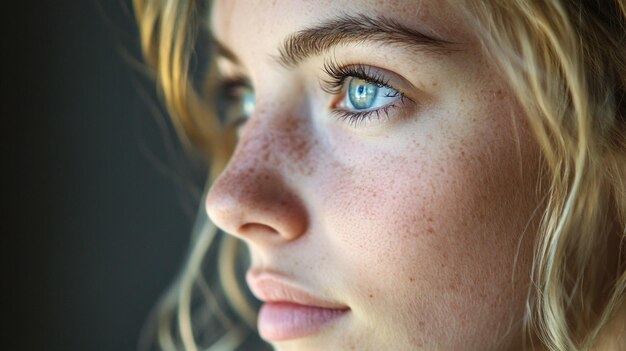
{"type": "Point", "coordinates": [284, 320]}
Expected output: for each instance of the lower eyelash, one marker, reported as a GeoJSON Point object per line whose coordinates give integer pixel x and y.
{"type": "Point", "coordinates": [360, 117]}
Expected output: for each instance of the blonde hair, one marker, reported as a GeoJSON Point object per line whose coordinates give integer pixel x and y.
{"type": "Point", "coordinates": [566, 62]}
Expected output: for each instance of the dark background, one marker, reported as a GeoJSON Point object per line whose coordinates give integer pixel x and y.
{"type": "Point", "coordinates": [98, 198]}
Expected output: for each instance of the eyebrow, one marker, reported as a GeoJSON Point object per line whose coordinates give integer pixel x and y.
{"type": "Point", "coordinates": [356, 28]}
{"type": "Point", "coordinates": [346, 29]}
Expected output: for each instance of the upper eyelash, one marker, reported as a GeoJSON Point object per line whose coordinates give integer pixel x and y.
{"type": "Point", "coordinates": [338, 75]}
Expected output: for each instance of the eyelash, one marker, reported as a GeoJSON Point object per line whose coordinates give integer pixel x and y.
{"type": "Point", "coordinates": [335, 84]}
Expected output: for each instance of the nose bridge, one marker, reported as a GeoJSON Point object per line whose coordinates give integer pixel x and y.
{"type": "Point", "coordinates": [282, 143]}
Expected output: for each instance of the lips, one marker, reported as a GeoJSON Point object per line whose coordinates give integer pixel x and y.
{"type": "Point", "coordinates": [289, 312]}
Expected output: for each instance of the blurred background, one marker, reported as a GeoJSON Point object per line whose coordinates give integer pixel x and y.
{"type": "Point", "coordinates": [99, 198]}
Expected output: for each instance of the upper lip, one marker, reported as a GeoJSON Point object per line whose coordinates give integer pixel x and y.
{"type": "Point", "coordinates": [268, 286]}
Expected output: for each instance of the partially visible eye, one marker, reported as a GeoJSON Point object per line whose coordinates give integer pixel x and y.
{"type": "Point", "coordinates": [235, 102]}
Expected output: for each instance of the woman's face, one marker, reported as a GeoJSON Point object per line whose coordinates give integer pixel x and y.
{"type": "Point", "coordinates": [383, 182]}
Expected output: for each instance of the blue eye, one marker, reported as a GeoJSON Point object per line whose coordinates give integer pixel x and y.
{"type": "Point", "coordinates": [236, 101]}
{"type": "Point", "coordinates": [367, 95]}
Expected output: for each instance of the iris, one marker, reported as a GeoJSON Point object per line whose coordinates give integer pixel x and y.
{"type": "Point", "coordinates": [362, 93]}
{"type": "Point", "coordinates": [247, 103]}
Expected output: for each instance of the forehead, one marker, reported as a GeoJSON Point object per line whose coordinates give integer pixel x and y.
{"type": "Point", "coordinates": [249, 25]}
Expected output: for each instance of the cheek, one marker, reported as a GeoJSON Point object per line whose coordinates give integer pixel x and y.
{"type": "Point", "coordinates": [431, 197]}
{"type": "Point", "coordinates": [431, 232]}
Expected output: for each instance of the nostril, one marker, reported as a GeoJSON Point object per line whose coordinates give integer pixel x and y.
{"type": "Point", "coordinates": [251, 228]}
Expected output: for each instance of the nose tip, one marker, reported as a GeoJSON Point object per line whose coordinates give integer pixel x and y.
{"type": "Point", "coordinates": [255, 204]}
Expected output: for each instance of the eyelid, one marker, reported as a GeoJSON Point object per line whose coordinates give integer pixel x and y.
{"type": "Point", "coordinates": [228, 69]}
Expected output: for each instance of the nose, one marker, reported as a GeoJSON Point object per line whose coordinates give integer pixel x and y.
{"type": "Point", "coordinates": [255, 197]}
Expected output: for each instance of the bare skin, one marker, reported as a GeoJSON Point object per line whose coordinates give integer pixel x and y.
{"type": "Point", "coordinates": [418, 219]}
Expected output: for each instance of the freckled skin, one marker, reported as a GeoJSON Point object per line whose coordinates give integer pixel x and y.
{"type": "Point", "coordinates": [416, 222]}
